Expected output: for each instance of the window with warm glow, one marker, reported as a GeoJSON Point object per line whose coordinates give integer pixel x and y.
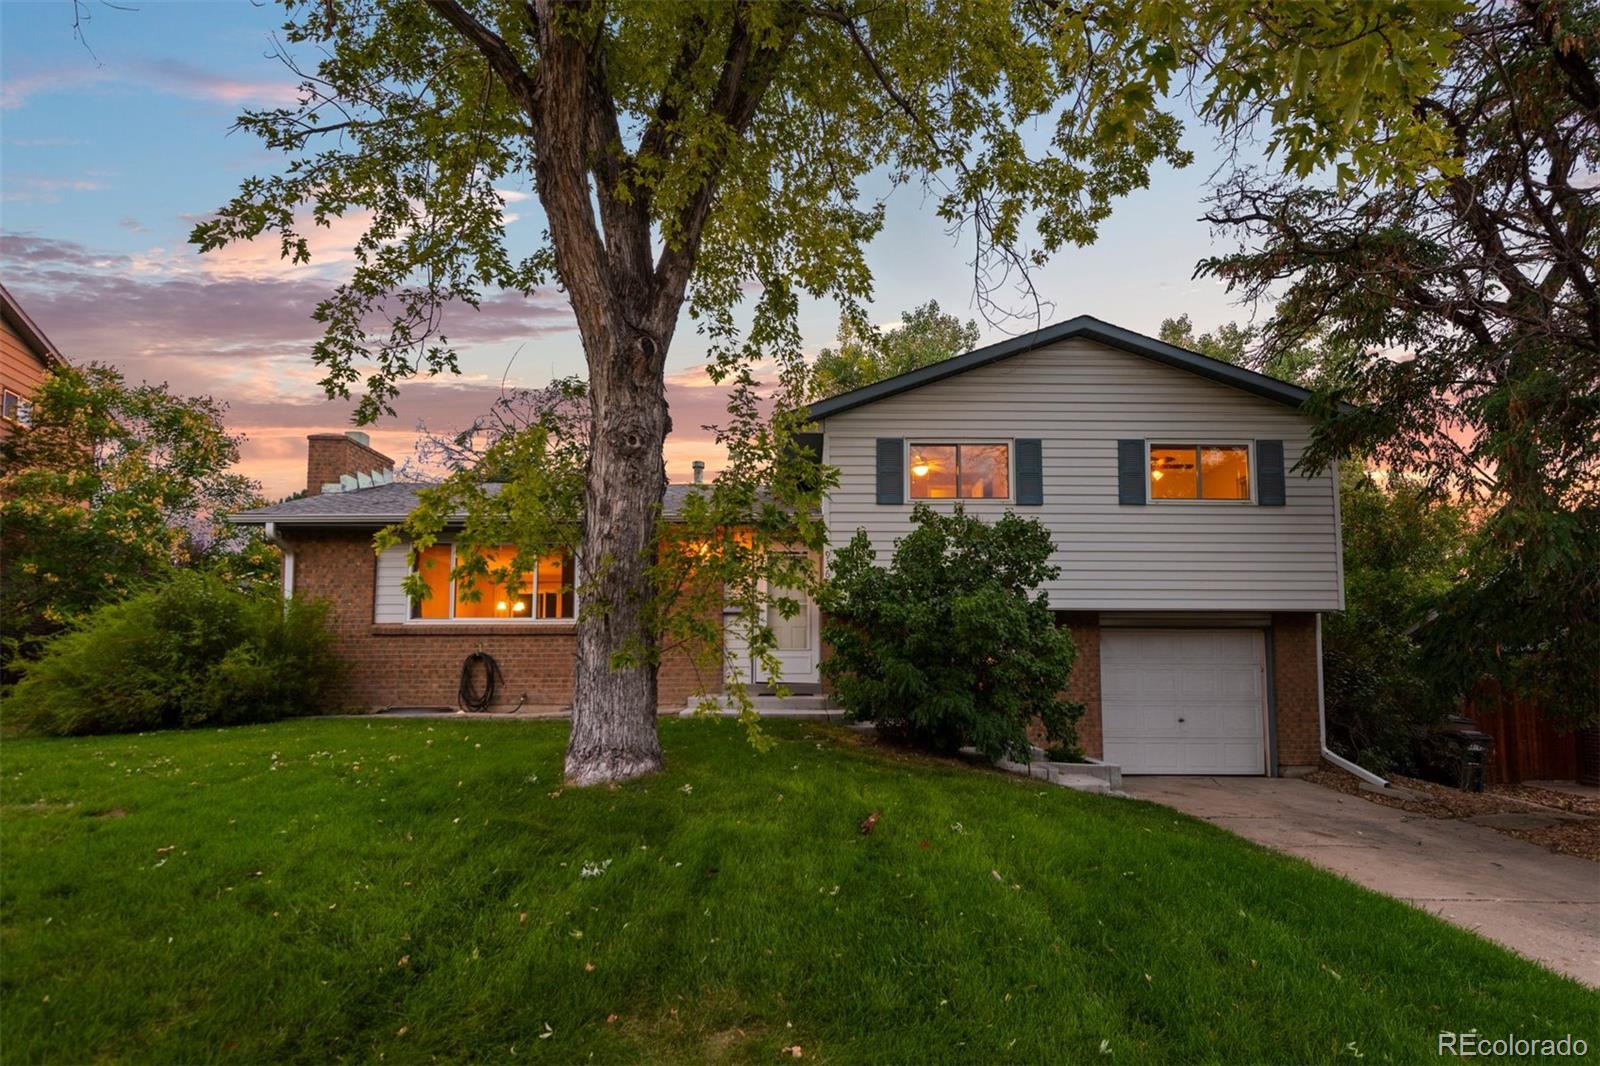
{"type": "Point", "coordinates": [960, 471]}
{"type": "Point", "coordinates": [546, 593]}
{"type": "Point", "coordinates": [1199, 472]}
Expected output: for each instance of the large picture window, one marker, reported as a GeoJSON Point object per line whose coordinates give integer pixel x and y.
{"type": "Point", "coordinates": [960, 471]}
{"type": "Point", "coordinates": [545, 594]}
{"type": "Point", "coordinates": [1199, 472]}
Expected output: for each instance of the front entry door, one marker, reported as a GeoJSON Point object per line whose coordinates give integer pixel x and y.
{"type": "Point", "coordinates": [797, 641]}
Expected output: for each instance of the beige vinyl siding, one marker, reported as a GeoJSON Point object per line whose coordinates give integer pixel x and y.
{"type": "Point", "coordinates": [1080, 397]}
{"type": "Point", "coordinates": [389, 601]}
{"type": "Point", "coordinates": [21, 368]}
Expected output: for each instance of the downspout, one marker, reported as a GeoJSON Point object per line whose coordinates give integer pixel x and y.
{"type": "Point", "coordinates": [271, 530]}
{"type": "Point", "coordinates": [1322, 727]}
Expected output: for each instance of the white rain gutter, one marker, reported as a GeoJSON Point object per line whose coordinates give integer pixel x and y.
{"type": "Point", "coordinates": [271, 530]}
{"type": "Point", "coordinates": [1322, 727]}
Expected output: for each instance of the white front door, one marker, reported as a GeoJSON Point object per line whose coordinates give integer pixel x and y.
{"type": "Point", "coordinates": [796, 641]}
{"type": "Point", "coordinates": [1184, 701]}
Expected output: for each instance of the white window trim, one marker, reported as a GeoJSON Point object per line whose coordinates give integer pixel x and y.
{"type": "Point", "coordinates": [1249, 447]}
{"type": "Point", "coordinates": [14, 401]}
{"type": "Point", "coordinates": [411, 601]}
{"type": "Point", "coordinates": [940, 442]}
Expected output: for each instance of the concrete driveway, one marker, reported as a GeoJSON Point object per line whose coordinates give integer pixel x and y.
{"type": "Point", "coordinates": [1539, 904]}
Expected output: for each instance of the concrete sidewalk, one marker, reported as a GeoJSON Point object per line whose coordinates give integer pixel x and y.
{"type": "Point", "coordinates": [1539, 904]}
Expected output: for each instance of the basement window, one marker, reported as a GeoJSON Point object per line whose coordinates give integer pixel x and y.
{"type": "Point", "coordinates": [545, 594]}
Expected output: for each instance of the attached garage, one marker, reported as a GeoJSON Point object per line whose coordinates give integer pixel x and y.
{"type": "Point", "coordinates": [1184, 701]}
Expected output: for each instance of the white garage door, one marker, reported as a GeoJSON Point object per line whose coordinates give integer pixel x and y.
{"type": "Point", "coordinates": [1183, 701]}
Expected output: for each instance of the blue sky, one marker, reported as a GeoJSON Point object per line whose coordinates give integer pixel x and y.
{"type": "Point", "coordinates": [107, 157]}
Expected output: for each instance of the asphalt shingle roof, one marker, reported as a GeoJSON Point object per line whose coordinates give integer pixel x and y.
{"type": "Point", "coordinates": [378, 505]}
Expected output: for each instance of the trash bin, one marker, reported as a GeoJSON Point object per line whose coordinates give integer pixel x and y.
{"type": "Point", "coordinates": [1454, 751]}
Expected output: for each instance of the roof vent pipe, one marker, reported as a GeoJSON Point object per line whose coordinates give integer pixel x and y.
{"type": "Point", "coordinates": [699, 468]}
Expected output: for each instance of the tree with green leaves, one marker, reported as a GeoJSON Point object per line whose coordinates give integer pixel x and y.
{"type": "Point", "coordinates": [866, 354]}
{"type": "Point", "coordinates": [1471, 302]}
{"type": "Point", "coordinates": [109, 488]}
{"type": "Point", "coordinates": [688, 153]}
{"type": "Point", "coordinates": [1314, 362]}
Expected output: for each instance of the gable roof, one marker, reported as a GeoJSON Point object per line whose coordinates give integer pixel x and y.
{"type": "Point", "coordinates": [29, 330]}
{"type": "Point", "coordinates": [1084, 326]}
{"type": "Point", "coordinates": [380, 505]}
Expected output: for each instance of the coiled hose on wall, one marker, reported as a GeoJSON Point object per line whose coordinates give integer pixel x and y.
{"type": "Point", "coordinates": [470, 695]}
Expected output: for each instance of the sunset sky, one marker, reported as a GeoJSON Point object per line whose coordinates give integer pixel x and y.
{"type": "Point", "coordinates": [113, 147]}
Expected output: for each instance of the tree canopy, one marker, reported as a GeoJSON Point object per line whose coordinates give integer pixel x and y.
{"type": "Point", "coordinates": [924, 335]}
{"type": "Point", "coordinates": [1471, 307]}
{"type": "Point", "coordinates": [110, 487]}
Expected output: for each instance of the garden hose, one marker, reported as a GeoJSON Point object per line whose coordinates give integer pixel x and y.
{"type": "Point", "coordinates": [470, 695]}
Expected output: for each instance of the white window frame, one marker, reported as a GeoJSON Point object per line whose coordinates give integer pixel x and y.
{"type": "Point", "coordinates": [1150, 444]}
{"type": "Point", "coordinates": [531, 620]}
{"type": "Point", "coordinates": [12, 400]}
{"type": "Point", "coordinates": [956, 442]}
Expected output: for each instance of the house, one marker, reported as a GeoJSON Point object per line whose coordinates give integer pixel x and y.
{"type": "Point", "coordinates": [26, 357]}
{"type": "Point", "coordinates": [1195, 560]}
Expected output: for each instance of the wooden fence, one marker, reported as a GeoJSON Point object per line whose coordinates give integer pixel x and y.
{"type": "Point", "coordinates": [1527, 747]}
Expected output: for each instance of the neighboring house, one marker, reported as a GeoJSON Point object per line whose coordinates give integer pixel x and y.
{"type": "Point", "coordinates": [26, 357]}
{"type": "Point", "coordinates": [1195, 561]}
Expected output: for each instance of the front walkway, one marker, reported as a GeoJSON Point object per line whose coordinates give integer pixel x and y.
{"type": "Point", "coordinates": [1539, 904]}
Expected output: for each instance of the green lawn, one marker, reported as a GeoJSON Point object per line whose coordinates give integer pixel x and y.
{"type": "Point", "coordinates": [407, 890]}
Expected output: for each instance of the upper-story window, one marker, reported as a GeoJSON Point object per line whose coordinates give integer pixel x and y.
{"type": "Point", "coordinates": [545, 594]}
{"type": "Point", "coordinates": [1199, 472]}
{"type": "Point", "coordinates": [960, 471]}
{"type": "Point", "coordinates": [10, 406]}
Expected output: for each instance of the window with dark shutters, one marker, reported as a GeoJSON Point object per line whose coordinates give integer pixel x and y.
{"type": "Point", "coordinates": [1130, 471]}
{"type": "Point", "coordinates": [891, 470]}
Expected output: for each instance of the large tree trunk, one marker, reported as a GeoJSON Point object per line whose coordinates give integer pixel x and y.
{"type": "Point", "coordinates": [614, 702]}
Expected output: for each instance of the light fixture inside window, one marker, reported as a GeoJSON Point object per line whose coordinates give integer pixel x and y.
{"type": "Point", "coordinates": [1157, 475]}
{"type": "Point", "coordinates": [920, 469]}
{"type": "Point", "coordinates": [519, 607]}
{"type": "Point", "coordinates": [500, 606]}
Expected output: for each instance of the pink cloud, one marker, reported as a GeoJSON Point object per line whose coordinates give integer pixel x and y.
{"type": "Point", "coordinates": [186, 79]}
{"type": "Point", "coordinates": [246, 340]}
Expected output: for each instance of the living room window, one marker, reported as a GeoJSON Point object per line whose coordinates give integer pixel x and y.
{"type": "Point", "coordinates": [960, 471]}
{"type": "Point", "coordinates": [1200, 472]}
{"type": "Point", "coordinates": [544, 594]}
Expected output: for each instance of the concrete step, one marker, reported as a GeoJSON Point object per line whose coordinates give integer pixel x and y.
{"type": "Point", "coordinates": [796, 706]}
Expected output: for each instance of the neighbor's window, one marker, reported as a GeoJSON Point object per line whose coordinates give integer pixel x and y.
{"type": "Point", "coordinates": [546, 593]}
{"type": "Point", "coordinates": [960, 471]}
{"type": "Point", "coordinates": [10, 405]}
{"type": "Point", "coordinates": [1199, 472]}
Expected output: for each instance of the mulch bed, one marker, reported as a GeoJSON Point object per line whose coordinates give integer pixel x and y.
{"type": "Point", "coordinates": [1568, 837]}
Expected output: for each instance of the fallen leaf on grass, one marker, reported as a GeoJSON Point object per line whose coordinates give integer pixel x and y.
{"type": "Point", "coordinates": [588, 967]}
{"type": "Point", "coordinates": [522, 918]}
{"type": "Point", "coordinates": [1105, 1047]}
{"type": "Point", "coordinates": [165, 850]}
{"type": "Point", "coordinates": [1335, 973]}
{"type": "Point", "coordinates": [402, 1031]}
{"type": "Point", "coordinates": [405, 960]}
{"type": "Point", "coordinates": [794, 1051]}
{"type": "Point", "coordinates": [868, 824]}
{"type": "Point", "coordinates": [548, 1032]}
{"type": "Point", "coordinates": [611, 1019]}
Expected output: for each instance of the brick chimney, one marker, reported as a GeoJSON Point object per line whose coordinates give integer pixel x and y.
{"type": "Point", "coordinates": [340, 462]}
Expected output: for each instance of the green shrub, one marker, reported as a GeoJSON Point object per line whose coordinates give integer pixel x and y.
{"type": "Point", "coordinates": [952, 644]}
{"type": "Point", "coordinates": [192, 652]}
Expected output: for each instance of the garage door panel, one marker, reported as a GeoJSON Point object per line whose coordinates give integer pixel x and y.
{"type": "Point", "coordinates": [1183, 701]}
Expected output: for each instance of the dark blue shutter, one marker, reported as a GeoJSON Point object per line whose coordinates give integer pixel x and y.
{"type": "Point", "coordinates": [1130, 471]}
{"type": "Point", "coordinates": [1269, 472]}
{"type": "Point", "coordinates": [1030, 473]}
{"type": "Point", "coordinates": [891, 470]}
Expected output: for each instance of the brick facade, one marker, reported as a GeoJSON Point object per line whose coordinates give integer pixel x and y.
{"type": "Point", "coordinates": [1294, 646]}
{"type": "Point", "coordinates": [407, 665]}
{"type": "Point", "coordinates": [1294, 666]}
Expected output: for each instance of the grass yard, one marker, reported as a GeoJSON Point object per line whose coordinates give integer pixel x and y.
{"type": "Point", "coordinates": [352, 890]}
